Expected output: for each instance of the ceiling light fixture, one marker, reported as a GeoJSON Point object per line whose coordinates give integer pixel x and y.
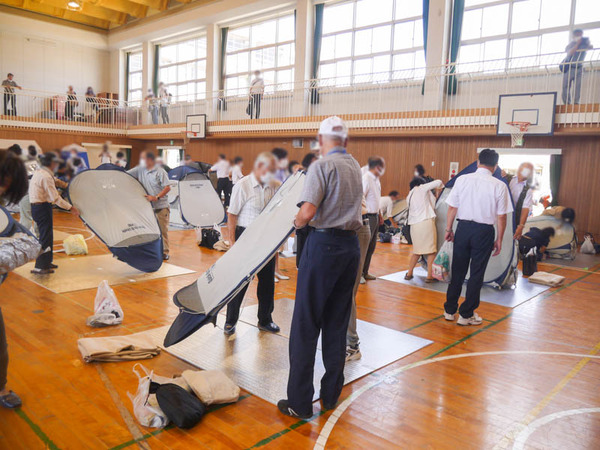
{"type": "Point", "coordinates": [74, 5]}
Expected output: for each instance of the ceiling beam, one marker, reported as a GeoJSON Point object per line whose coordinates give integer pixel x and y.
{"type": "Point", "coordinates": [89, 10]}
{"type": "Point", "coordinates": [125, 6]}
{"type": "Point", "coordinates": [65, 14]}
{"type": "Point", "coordinates": [160, 5]}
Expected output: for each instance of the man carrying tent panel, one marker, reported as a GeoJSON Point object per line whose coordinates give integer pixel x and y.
{"type": "Point", "coordinates": [156, 182]}
{"type": "Point", "coordinates": [478, 201]}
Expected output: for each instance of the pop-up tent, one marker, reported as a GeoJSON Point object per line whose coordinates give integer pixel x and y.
{"type": "Point", "coordinates": [400, 211]}
{"type": "Point", "coordinates": [194, 201]}
{"type": "Point", "coordinates": [201, 301]}
{"type": "Point", "coordinates": [113, 206]}
{"type": "Point", "coordinates": [564, 243]}
{"type": "Point", "coordinates": [502, 269]}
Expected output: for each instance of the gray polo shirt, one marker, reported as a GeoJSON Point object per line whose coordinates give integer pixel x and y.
{"type": "Point", "coordinates": [334, 185]}
{"type": "Point", "coordinates": [154, 181]}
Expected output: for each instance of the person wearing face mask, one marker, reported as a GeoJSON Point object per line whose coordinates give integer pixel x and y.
{"type": "Point", "coordinates": [479, 201]}
{"type": "Point", "coordinates": [43, 195]}
{"type": "Point", "coordinates": [282, 172]}
{"type": "Point", "coordinates": [372, 190]}
{"type": "Point", "coordinates": [156, 182]}
{"type": "Point", "coordinates": [522, 195]}
{"type": "Point", "coordinates": [420, 173]}
{"type": "Point", "coordinates": [249, 197]}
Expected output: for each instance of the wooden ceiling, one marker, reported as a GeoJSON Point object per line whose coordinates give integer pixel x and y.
{"type": "Point", "coordinates": [104, 14]}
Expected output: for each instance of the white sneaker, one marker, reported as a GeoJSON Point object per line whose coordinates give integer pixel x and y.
{"type": "Point", "coordinates": [474, 320]}
{"type": "Point", "coordinates": [449, 317]}
{"type": "Point", "coordinates": [281, 277]}
{"type": "Point", "coordinates": [352, 353]}
{"type": "Point", "coordinates": [362, 280]}
{"type": "Point", "coordinates": [276, 280]}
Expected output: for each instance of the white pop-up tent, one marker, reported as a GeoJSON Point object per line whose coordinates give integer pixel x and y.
{"type": "Point", "coordinates": [112, 204]}
{"type": "Point", "coordinates": [193, 199]}
{"type": "Point", "coordinates": [502, 269]}
{"type": "Point", "coordinates": [201, 301]}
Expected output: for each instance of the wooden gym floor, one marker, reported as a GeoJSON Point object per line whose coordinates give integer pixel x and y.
{"type": "Point", "coordinates": [527, 378]}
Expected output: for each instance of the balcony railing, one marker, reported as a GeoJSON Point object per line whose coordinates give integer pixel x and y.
{"type": "Point", "coordinates": [415, 98]}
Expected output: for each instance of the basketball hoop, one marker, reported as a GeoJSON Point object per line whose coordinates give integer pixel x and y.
{"type": "Point", "coordinates": [516, 135]}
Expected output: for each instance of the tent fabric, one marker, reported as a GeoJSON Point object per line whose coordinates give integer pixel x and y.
{"type": "Point", "coordinates": [502, 269]}
{"type": "Point", "coordinates": [112, 204]}
{"type": "Point", "coordinates": [564, 243]}
{"type": "Point", "coordinates": [201, 301]}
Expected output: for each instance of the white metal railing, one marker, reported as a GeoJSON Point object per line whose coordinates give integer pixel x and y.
{"type": "Point", "coordinates": [448, 90]}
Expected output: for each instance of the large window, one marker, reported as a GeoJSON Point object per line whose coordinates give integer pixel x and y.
{"type": "Point", "coordinates": [267, 46]}
{"type": "Point", "coordinates": [134, 78]}
{"type": "Point", "coordinates": [517, 32]}
{"type": "Point", "coordinates": [182, 67]}
{"type": "Point", "coordinates": [371, 41]}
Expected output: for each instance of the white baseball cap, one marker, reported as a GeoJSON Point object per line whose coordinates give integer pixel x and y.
{"type": "Point", "coordinates": [334, 126]}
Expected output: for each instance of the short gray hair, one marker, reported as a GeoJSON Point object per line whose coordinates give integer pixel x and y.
{"type": "Point", "coordinates": [266, 158]}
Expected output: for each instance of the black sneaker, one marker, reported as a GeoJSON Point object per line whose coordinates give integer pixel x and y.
{"type": "Point", "coordinates": [284, 407]}
{"type": "Point", "coordinates": [328, 407]}
{"type": "Point", "coordinates": [166, 257]}
{"type": "Point", "coordinates": [270, 327]}
{"type": "Point", "coordinates": [53, 266]}
{"type": "Point", "coordinates": [37, 271]}
{"type": "Point", "coordinates": [229, 329]}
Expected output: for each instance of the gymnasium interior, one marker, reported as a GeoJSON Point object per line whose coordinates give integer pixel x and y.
{"type": "Point", "coordinates": [429, 83]}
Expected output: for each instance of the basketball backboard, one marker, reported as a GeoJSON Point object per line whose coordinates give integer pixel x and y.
{"type": "Point", "coordinates": [195, 126]}
{"type": "Point", "coordinates": [537, 108]}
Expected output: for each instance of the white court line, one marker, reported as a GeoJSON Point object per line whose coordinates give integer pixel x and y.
{"type": "Point", "coordinates": [522, 437]}
{"type": "Point", "coordinates": [334, 417]}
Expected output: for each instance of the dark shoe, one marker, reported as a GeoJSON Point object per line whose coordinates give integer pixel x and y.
{"type": "Point", "coordinates": [370, 277]}
{"type": "Point", "coordinates": [37, 271]}
{"type": "Point", "coordinates": [408, 277]}
{"type": "Point", "coordinates": [270, 327]}
{"type": "Point", "coordinates": [229, 329]}
{"type": "Point", "coordinates": [328, 407]}
{"type": "Point", "coordinates": [284, 408]}
{"type": "Point", "coordinates": [10, 400]}
{"type": "Point", "coordinates": [53, 266]}
{"type": "Point", "coordinates": [166, 257]}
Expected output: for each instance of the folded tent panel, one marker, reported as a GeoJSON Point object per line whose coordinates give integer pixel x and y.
{"type": "Point", "coordinates": [112, 204]}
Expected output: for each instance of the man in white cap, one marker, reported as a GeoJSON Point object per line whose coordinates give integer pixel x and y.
{"type": "Point", "coordinates": [331, 204]}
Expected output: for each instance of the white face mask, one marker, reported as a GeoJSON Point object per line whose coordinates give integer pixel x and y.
{"type": "Point", "coordinates": [417, 174]}
{"type": "Point", "coordinates": [266, 178]}
{"type": "Point", "coordinates": [380, 171]}
{"type": "Point", "coordinates": [143, 163]}
{"type": "Point", "coordinates": [283, 164]}
{"type": "Point", "coordinates": [525, 172]}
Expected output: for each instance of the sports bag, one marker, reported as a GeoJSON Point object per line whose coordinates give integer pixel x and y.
{"type": "Point", "coordinates": [181, 407]}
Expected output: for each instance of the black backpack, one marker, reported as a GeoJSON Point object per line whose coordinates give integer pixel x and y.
{"type": "Point", "coordinates": [210, 237]}
{"type": "Point", "coordinates": [185, 410]}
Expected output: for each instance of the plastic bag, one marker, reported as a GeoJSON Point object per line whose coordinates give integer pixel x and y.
{"type": "Point", "coordinates": [588, 245]}
{"type": "Point", "coordinates": [107, 310]}
{"type": "Point", "coordinates": [147, 415]}
{"type": "Point", "coordinates": [443, 262]}
{"type": "Point", "coordinates": [75, 245]}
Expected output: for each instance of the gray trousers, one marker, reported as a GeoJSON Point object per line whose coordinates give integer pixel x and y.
{"type": "Point", "coordinates": [374, 225]}
{"type": "Point", "coordinates": [3, 354]}
{"type": "Point", "coordinates": [573, 75]}
{"type": "Point", "coordinates": [364, 237]}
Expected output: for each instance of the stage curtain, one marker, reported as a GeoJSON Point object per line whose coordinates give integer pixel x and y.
{"type": "Point", "coordinates": [458, 11]}
{"type": "Point", "coordinates": [555, 169]}
{"type": "Point", "coordinates": [155, 69]}
{"type": "Point", "coordinates": [425, 25]}
{"type": "Point", "coordinates": [222, 59]}
{"type": "Point", "coordinates": [127, 56]}
{"type": "Point", "coordinates": [317, 38]}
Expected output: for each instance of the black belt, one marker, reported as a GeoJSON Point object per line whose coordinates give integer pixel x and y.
{"type": "Point", "coordinates": [41, 203]}
{"type": "Point", "coordinates": [476, 223]}
{"type": "Point", "coordinates": [336, 231]}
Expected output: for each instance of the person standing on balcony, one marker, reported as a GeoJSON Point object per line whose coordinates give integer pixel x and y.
{"type": "Point", "coordinates": [372, 190]}
{"type": "Point", "coordinates": [71, 103]}
{"type": "Point", "coordinates": [164, 100]}
{"type": "Point", "coordinates": [572, 67]}
{"type": "Point", "coordinates": [257, 89]}
{"type": "Point", "coordinates": [221, 167]}
{"type": "Point", "coordinates": [9, 94]}
{"type": "Point", "coordinates": [152, 106]}
{"type": "Point", "coordinates": [91, 105]}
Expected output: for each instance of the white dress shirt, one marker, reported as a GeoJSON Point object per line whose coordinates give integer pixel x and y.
{"type": "Point", "coordinates": [386, 204]}
{"type": "Point", "coordinates": [516, 188]}
{"type": "Point", "coordinates": [236, 174]}
{"type": "Point", "coordinates": [257, 86]}
{"type": "Point", "coordinates": [248, 199]}
{"type": "Point", "coordinates": [222, 168]}
{"type": "Point", "coordinates": [372, 191]}
{"type": "Point", "coordinates": [421, 202]}
{"type": "Point", "coordinates": [42, 189]}
{"type": "Point", "coordinates": [480, 197]}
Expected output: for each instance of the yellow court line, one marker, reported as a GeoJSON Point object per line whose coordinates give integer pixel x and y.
{"type": "Point", "coordinates": [531, 415]}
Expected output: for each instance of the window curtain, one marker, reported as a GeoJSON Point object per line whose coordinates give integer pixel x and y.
{"type": "Point", "coordinates": [317, 38]}
{"type": "Point", "coordinates": [155, 69]}
{"type": "Point", "coordinates": [458, 12]}
{"type": "Point", "coordinates": [127, 56]}
{"type": "Point", "coordinates": [222, 59]}
{"type": "Point", "coordinates": [555, 169]}
{"type": "Point", "coordinates": [425, 26]}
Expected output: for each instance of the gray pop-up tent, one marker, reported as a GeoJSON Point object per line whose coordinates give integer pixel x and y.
{"type": "Point", "coordinates": [564, 243]}
{"type": "Point", "coordinates": [201, 301]}
{"type": "Point", "coordinates": [193, 199]}
{"type": "Point", "coordinates": [113, 206]}
{"type": "Point", "coordinates": [502, 269]}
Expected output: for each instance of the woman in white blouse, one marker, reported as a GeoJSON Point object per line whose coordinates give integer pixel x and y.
{"type": "Point", "coordinates": [421, 218]}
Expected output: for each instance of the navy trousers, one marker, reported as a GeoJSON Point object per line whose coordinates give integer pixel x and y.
{"type": "Point", "coordinates": [265, 292]}
{"type": "Point", "coordinates": [42, 216]}
{"type": "Point", "coordinates": [323, 304]}
{"type": "Point", "coordinates": [473, 245]}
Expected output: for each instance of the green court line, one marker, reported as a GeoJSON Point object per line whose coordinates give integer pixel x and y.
{"type": "Point", "coordinates": [433, 355]}
{"type": "Point", "coordinates": [37, 430]}
{"type": "Point", "coordinates": [423, 323]}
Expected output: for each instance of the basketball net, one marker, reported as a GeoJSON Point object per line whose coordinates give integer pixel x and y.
{"type": "Point", "coordinates": [518, 130]}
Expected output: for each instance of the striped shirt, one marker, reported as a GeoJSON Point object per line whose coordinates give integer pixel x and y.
{"type": "Point", "coordinates": [248, 199]}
